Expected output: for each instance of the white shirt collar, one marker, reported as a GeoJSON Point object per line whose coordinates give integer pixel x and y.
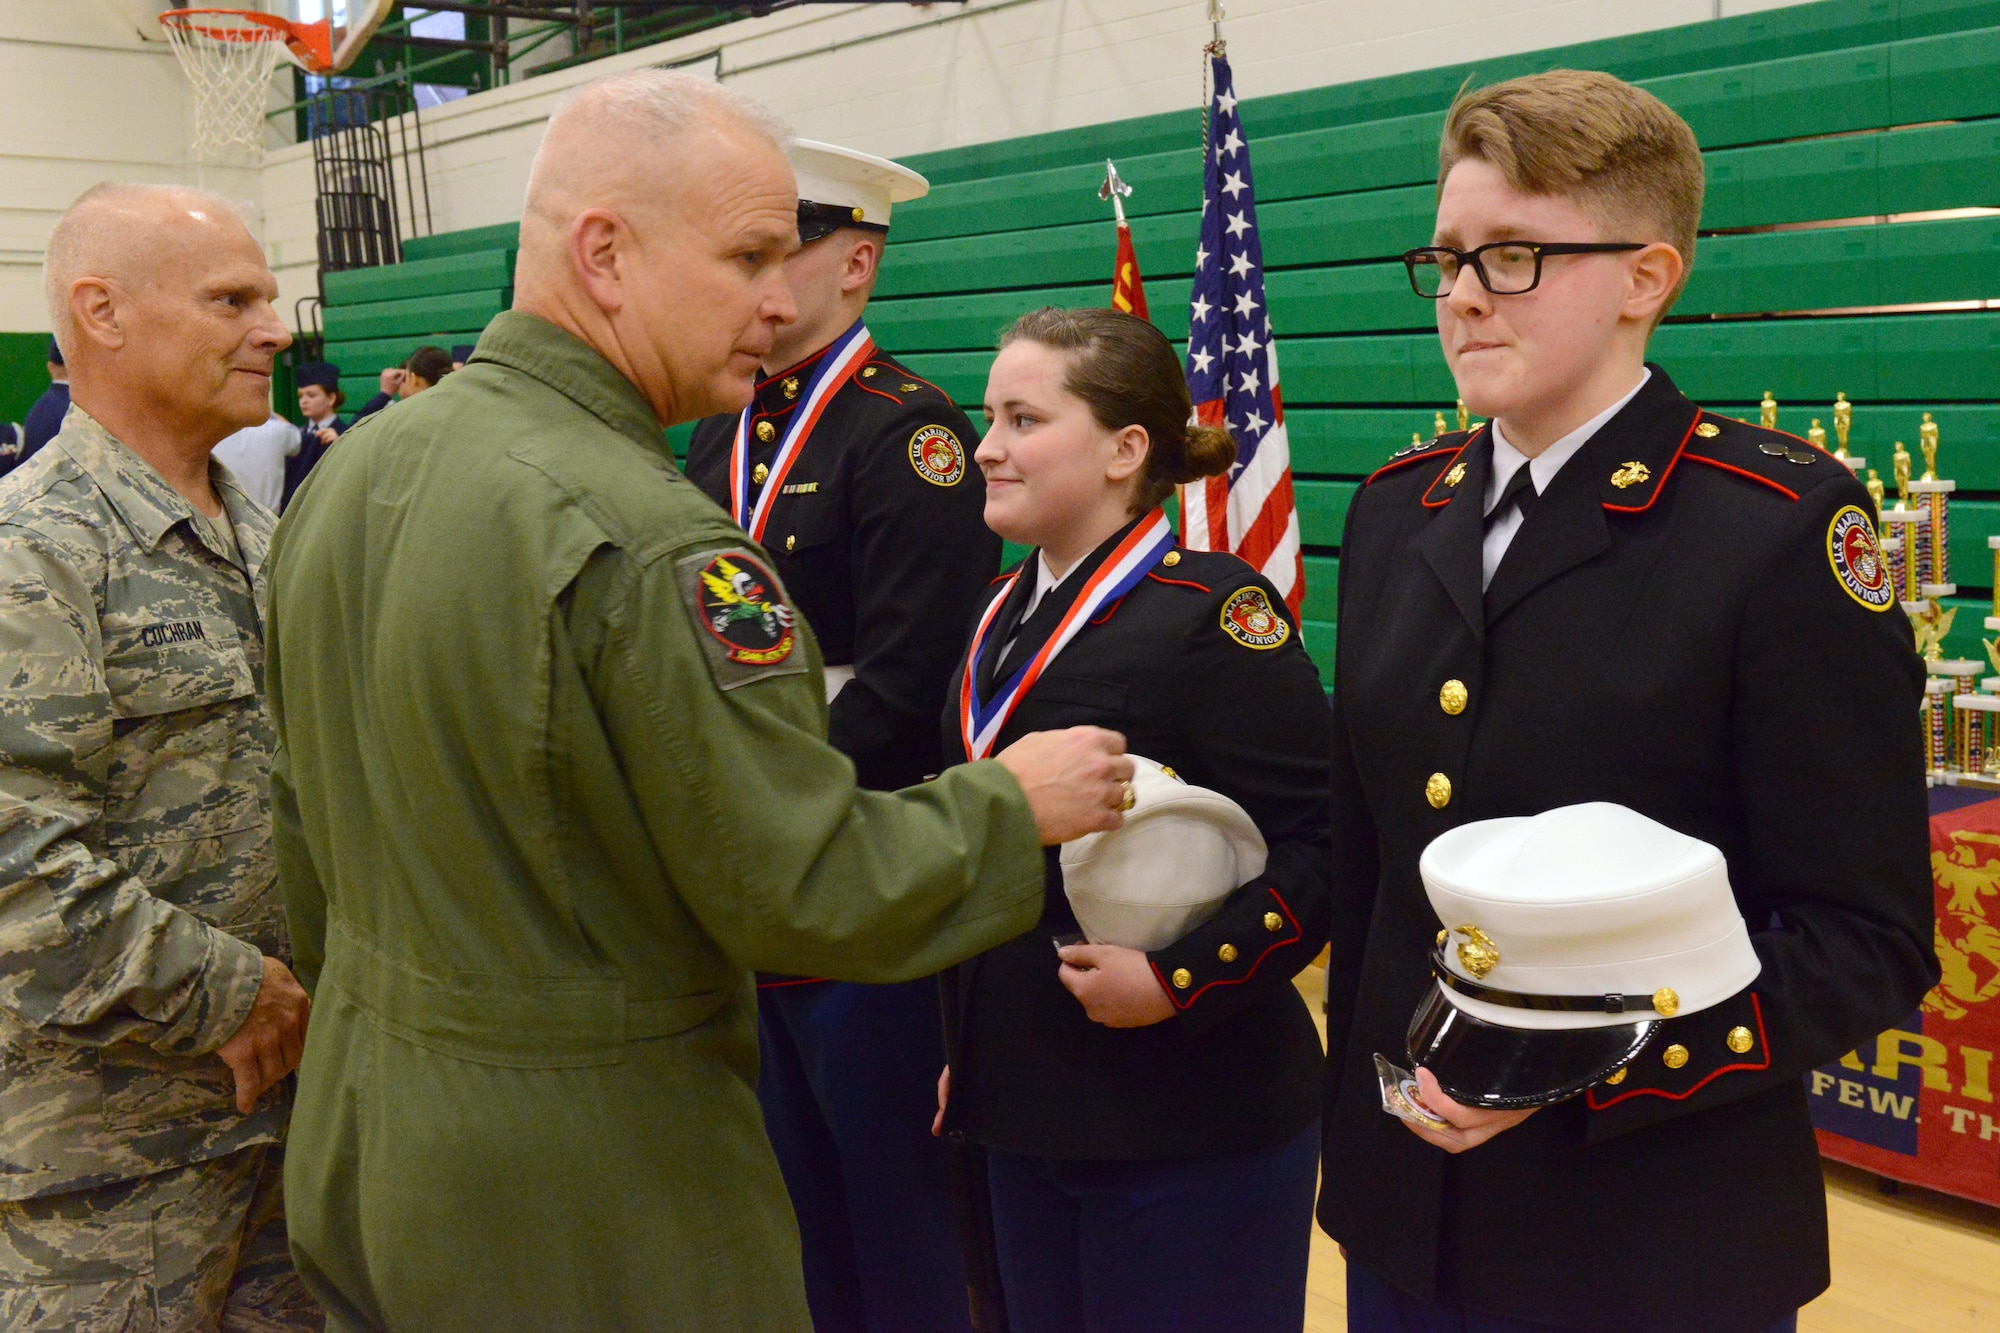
{"type": "Point", "coordinates": [1542, 468]}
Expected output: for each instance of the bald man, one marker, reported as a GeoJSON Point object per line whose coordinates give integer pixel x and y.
{"type": "Point", "coordinates": [552, 780]}
{"type": "Point", "coordinates": [148, 1020]}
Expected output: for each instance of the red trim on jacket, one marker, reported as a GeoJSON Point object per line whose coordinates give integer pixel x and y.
{"type": "Point", "coordinates": [1661, 484]}
{"type": "Point", "coordinates": [796, 981]}
{"type": "Point", "coordinates": [1785, 491]}
{"type": "Point", "coordinates": [1590, 1095]}
{"type": "Point", "coordinates": [1395, 463]}
{"type": "Point", "coordinates": [1457, 456]}
{"type": "Point", "coordinates": [1297, 934]}
{"type": "Point", "coordinates": [1182, 583]}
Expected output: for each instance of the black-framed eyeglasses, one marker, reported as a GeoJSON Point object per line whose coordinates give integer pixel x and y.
{"type": "Point", "coordinates": [1505, 268]}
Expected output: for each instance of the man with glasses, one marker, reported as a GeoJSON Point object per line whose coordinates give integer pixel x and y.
{"type": "Point", "coordinates": [1607, 594]}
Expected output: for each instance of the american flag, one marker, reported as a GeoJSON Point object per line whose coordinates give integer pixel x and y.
{"type": "Point", "coordinates": [1232, 368]}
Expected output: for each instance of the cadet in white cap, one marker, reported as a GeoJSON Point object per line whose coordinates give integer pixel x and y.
{"type": "Point", "coordinates": [854, 475]}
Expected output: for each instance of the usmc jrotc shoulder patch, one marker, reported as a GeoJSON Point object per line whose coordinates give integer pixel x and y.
{"type": "Point", "coordinates": [1248, 618]}
{"type": "Point", "coordinates": [1857, 559]}
{"type": "Point", "coordinates": [937, 456]}
{"type": "Point", "coordinates": [749, 630]}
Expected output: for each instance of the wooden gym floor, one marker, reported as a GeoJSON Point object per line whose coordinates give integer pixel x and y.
{"type": "Point", "coordinates": [1913, 1262]}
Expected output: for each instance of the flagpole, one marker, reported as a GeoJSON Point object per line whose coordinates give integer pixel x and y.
{"type": "Point", "coordinates": [1115, 190]}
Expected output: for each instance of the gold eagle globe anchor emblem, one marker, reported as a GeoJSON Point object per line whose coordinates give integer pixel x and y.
{"type": "Point", "coordinates": [1479, 955]}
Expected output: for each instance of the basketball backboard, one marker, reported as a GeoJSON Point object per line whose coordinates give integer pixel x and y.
{"type": "Point", "coordinates": [354, 22]}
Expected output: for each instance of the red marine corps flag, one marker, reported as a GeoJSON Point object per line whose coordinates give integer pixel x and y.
{"type": "Point", "coordinates": [1126, 292]}
{"type": "Point", "coordinates": [1232, 367]}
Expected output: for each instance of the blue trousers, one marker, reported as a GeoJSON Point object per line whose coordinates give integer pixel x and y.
{"type": "Point", "coordinates": [1204, 1245]}
{"type": "Point", "coordinates": [849, 1086]}
{"type": "Point", "coordinates": [1375, 1306]}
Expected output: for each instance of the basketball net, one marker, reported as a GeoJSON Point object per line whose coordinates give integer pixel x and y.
{"type": "Point", "coordinates": [228, 56]}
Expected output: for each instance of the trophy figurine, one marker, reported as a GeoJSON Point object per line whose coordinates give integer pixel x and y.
{"type": "Point", "coordinates": [1875, 492]}
{"type": "Point", "coordinates": [1464, 417]}
{"type": "Point", "coordinates": [1843, 422]}
{"type": "Point", "coordinates": [1767, 412]}
{"type": "Point", "coordinates": [1932, 494]}
{"type": "Point", "coordinates": [1901, 460]}
{"type": "Point", "coordinates": [1439, 423]}
{"type": "Point", "coordinates": [1816, 436]}
{"type": "Point", "coordinates": [1931, 625]}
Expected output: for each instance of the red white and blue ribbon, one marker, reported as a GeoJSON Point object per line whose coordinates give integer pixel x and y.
{"type": "Point", "coordinates": [981, 720]}
{"type": "Point", "coordinates": [848, 354]}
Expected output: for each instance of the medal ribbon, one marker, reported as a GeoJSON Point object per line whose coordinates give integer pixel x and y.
{"type": "Point", "coordinates": [848, 354]}
{"type": "Point", "coordinates": [980, 721]}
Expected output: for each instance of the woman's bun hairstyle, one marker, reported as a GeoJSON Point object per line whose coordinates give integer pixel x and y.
{"type": "Point", "coordinates": [1125, 370]}
{"type": "Point", "coordinates": [1210, 453]}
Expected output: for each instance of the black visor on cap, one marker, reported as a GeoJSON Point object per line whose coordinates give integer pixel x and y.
{"type": "Point", "coordinates": [817, 220]}
{"type": "Point", "coordinates": [1484, 1064]}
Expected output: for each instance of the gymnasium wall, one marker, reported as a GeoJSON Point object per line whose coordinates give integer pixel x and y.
{"type": "Point", "coordinates": [87, 100]}
{"type": "Point", "coordinates": [898, 80]}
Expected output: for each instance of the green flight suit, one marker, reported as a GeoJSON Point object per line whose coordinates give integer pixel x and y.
{"type": "Point", "coordinates": [551, 782]}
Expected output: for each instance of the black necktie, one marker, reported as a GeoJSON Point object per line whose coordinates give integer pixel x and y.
{"type": "Point", "coordinates": [1519, 491]}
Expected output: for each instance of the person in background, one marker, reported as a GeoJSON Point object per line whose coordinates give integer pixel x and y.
{"type": "Point", "coordinates": [460, 354]}
{"type": "Point", "coordinates": [12, 446]}
{"type": "Point", "coordinates": [387, 383]}
{"type": "Point", "coordinates": [552, 781]}
{"type": "Point", "coordinates": [1151, 1118]}
{"type": "Point", "coordinates": [320, 399]}
{"type": "Point", "coordinates": [259, 458]}
{"type": "Point", "coordinates": [853, 472]}
{"type": "Point", "coordinates": [148, 1018]}
{"type": "Point", "coordinates": [45, 417]}
{"type": "Point", "coordinates": [426, 366]}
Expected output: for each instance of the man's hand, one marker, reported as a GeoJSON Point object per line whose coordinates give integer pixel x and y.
{"type": "Point", "coordinates": [392, 380]}
{"type": "Point", "coordinates": [1116, 986]}
{"type": "Point", "coordinates": [1074, 780]}
{"type": "Point", "coordinates": [944, 1095]}
{"type": "Point", "coordinates": [268, 1045]}
{"type": "Point", "coordinates": [1470, 1125]}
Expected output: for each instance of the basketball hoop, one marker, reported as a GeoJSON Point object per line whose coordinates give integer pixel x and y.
{"type": "Point", "coordinates": [228, 55]}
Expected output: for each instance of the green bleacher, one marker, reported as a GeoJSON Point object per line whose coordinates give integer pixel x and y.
{"type": "Point", "coordinates": [1847, 111]}
{"type": "Point", "coordinates": [445, 291]}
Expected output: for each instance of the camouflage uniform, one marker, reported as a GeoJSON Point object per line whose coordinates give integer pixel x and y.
{"type": "Point", "coordinates": [137, 889]}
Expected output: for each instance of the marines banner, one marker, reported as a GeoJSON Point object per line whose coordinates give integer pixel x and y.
{"type": "Point", "coordinates": [1916, 1104]}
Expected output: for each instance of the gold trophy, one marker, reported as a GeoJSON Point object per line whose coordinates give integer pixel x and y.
{"type": "Point", "coordinates": [1931, 626]}
{"type": "Point", "coordinates": [1843, 422]}
{"type": "Point", "coordinates": [1816, 437]}
{"type": "Point", "coordinates": [1901, 460]}
{"type": "Point", "coordinates": [1767, 412]}
{"type": "Point", "coordinates": [1927, 443]}
{"type": "Point", "coordinates": [1439, 423]}
{"type": "Point", "coordinates": [1464, 417]}
{"type": "Point", "coordinates": [1875, 492]}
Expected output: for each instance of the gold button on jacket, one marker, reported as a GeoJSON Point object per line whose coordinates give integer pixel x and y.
{"type": "Point", "coordinates": [1740, 1040]}
{"type": "Point", "coordinates": [1183, 978]}
{"type": "Point", "coordinates": [1438, 791]}
{"type": "Point", "coordinates": [766, 431]}
{"type": "Point", "coordinates": [1675, 1056]}
{"type": "Point", "coordinates": [1453, 696]}
{"type": "Point", "coordinates": [1227, 953]}
{"type": "Point", "coordinates": [1273, 922]}
{"type": "Point", "coordinates": [760, 474]}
